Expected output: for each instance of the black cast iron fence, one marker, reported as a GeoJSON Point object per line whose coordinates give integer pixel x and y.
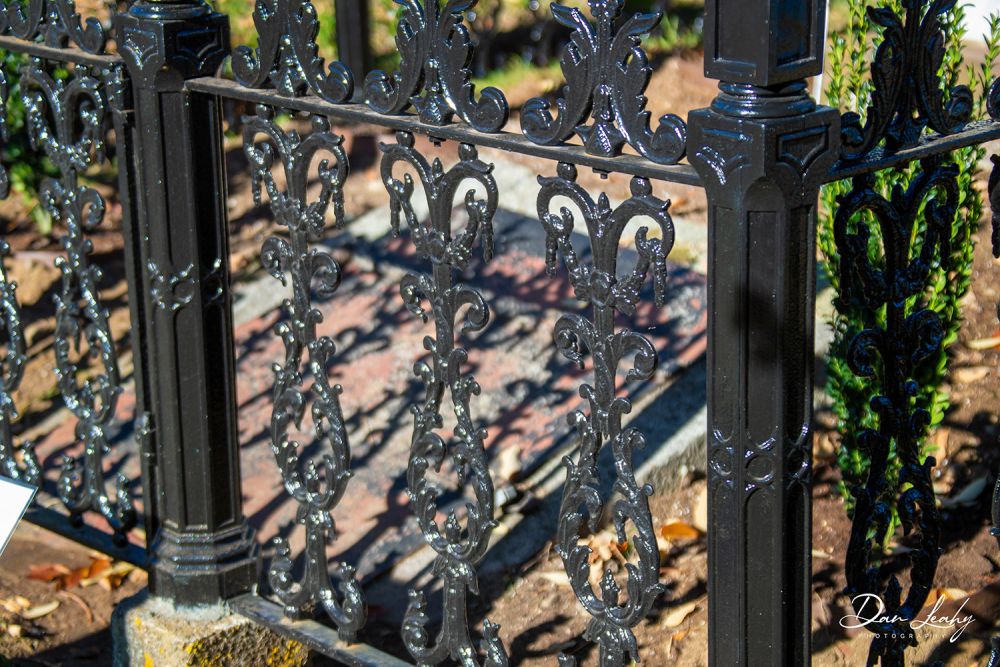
{"type": "Point", "coordinates": [762, 151]}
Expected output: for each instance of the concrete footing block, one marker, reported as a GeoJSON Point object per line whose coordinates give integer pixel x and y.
{"type": "Point", "coordinates": [149, 632]}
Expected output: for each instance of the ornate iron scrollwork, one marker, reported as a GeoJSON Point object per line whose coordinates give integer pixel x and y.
{"type": "Point", "coordinates": [993, 100]}
{"type": "Point", "coordinates": [600, 285]}
{"type": "Point", "coordinates": [994, 192]}
{"type": "Point", "coordinates": [73, 143]}
{"type": "Point", "coordinates": [906, 81]}
{"type": "Point", "coordinates": [174, 290]}
{"type": "Point", "coordinates": [434, 74]}
{"type": "Point", "coordinates": [12, 366]}
{"type": "Point", "coordinates": [287, 56]}
{"type": "Point", "coordinates": [55, 21]}
{"type": "Point", "coordinates": [11, 371]}
{"type": "Point", "coordinates": [995, 532]}
{"type": "Point", "coordinates": [458, 548]}
{"type": "Point", "coordinates": [888, 352]}
{"type": "Point", "coordinates": [606, 73]}
{"type": "Point", "coordinates": [4, 92]}
{"type": "Point", "coordinates": [316, 491]}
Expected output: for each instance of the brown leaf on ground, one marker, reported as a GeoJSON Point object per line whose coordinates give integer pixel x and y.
{"type": "Point", "coordinates": [47, 571]}
{"type": "Point", "coordinates": [991, 343]}
{"type": "Point", "coordinates": [80, 602]}
{"type": "Point", "coordinates": [699, 518]}
{"type": "Point", "coordinates": [970, 374]}
{"type": "Point", "coordinates": [967, 496]}
{"type": "Point", "coordinates": [679, 530]}
{"type": "Point", "coordinates": [107, 575]}
{"type": "Point", "coordinates": [40, 611]}
{"type": "Point", "coordinates": [680, 614]}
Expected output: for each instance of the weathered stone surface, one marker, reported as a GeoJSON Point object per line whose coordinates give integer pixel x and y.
{"type": "Point", "coordinates": [150, 633]}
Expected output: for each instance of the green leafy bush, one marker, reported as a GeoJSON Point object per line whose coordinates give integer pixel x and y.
{"type": "Point", "coordinates": [26, 166]}
{"type": "Point", "coordinates": [850, 88]}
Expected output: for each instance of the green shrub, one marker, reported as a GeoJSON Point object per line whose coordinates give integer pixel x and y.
{"type": "Point", "coordinates": [26, 166]}
{"type": "Point", "coordinates": [849, 88]}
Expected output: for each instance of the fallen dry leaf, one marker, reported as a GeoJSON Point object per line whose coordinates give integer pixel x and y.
{"type": "Point", "coordinates": [558, 578]}
{"type": "Point", "coordinates": [967, 496]}
{"type": "Point", "coordinates": [818, 553]}
{"type": "Point", "coordinates": [678, 615]}
{"type": "Point", "coordinates": [679, 530]}
{"type": "Point", "coordinates": [945, 593]}
{"type": "Point", "coordinates": [40, 611]}
{"type": "Point", "coordinates": [699, 518]}
{"type": "Point", "coordinates": [984, 343]}
{"type": "Point", "coordinates": [509, 464]}
{"type": "Point", "coordinates": [15, 630]}
{"type": "Point", "coordinates": [112, 574]}
{"type": "Point", "coordinates": [80, 602]}
{"type": "Point", "coordinates": [47, 571]}
{"type": "Point", "coordinates": [970, 374]}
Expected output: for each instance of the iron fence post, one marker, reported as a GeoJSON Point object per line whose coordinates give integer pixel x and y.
{"type": "Point", "coordinates": [203, 550]}
{"type": "Point", "coordinates": [354, 36]}
{"type": "Point", "coordinates": [762, 148]}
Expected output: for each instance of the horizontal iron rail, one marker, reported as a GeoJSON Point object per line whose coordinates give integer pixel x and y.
{"type": "Point", "coordinates": [977, 132]}
{"type": "Point", "coordinates": [59, 523]}
{"type": "Point", "coordinates": [312, 634]}
{"type": "Point", "coordinates": [65, 55]}
{"type": "Point", "coordinates": [514, 143]}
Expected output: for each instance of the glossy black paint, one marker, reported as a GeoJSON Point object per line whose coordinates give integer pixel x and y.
{"type": "Point", "coordinates": [761, 151]}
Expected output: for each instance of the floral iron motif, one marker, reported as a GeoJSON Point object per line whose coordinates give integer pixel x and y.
{"type": "Point", "coordinates": [434, 76]}
{"type": "Point", "coordinates": [994, 192]}
{"type": "Point", "coordinates": [600, 285]}
{"type": "Point", "coordinates": [458, 549]}
{"type": "Point", "coordinates": [287, 57]}
{"type": "Point", "coordinates": [888, 352]}
{"type": "Point", "coordinates": [993, 100]}
{"type": "Point", "coordinates": [12, 366]}
{"type": "Point", "coordinates": [74, 142]}
{"type": "Point", "coordinates": [55, 21]}
{"type": "Point", "coordinates": [11, 371]}
{"type": "Point", "coordinates": [316, 491]}
{"type": "Point", "coordinates": [606, 73]}
{"type": "Point", "coordinates": [906, 82]}
{"type": "Point", "coordinates": [995, 532]}
{"type": "Point", "coordinates": [4, 92]}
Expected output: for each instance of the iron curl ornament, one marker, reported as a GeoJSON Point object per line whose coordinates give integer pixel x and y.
{"type": "Point", "coordinates": [606, 72]}
{"type": "Point", "coordinates": [434, 76]}
{"type": "Point", "coordinates": [994, 193]}
{"type": "Point", "coordinates": [4, 93]}
{"type": "Point", "coordinates": [74, 142]}
{"type": "Point", "coordinates": [600, 285]}
{"type": "Point", "coordinates": [993, 100]}
{"type": "Point", "coordinates": [907, 95]}
{"type": "Point", "coordinates": [11, 372]}
{"type": "Point", "coordinates": [316, 490]}
{"type": "Point", "coordinates": [56, 22]}
{"type": "Point", "coordinates": [287, 56]}
{"type": "Point", "coordinates": [459, 548]}
{"type": "Point", "coordinates": [12, 364]}
{"type": "Point", "coordinates": [899, 335]}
